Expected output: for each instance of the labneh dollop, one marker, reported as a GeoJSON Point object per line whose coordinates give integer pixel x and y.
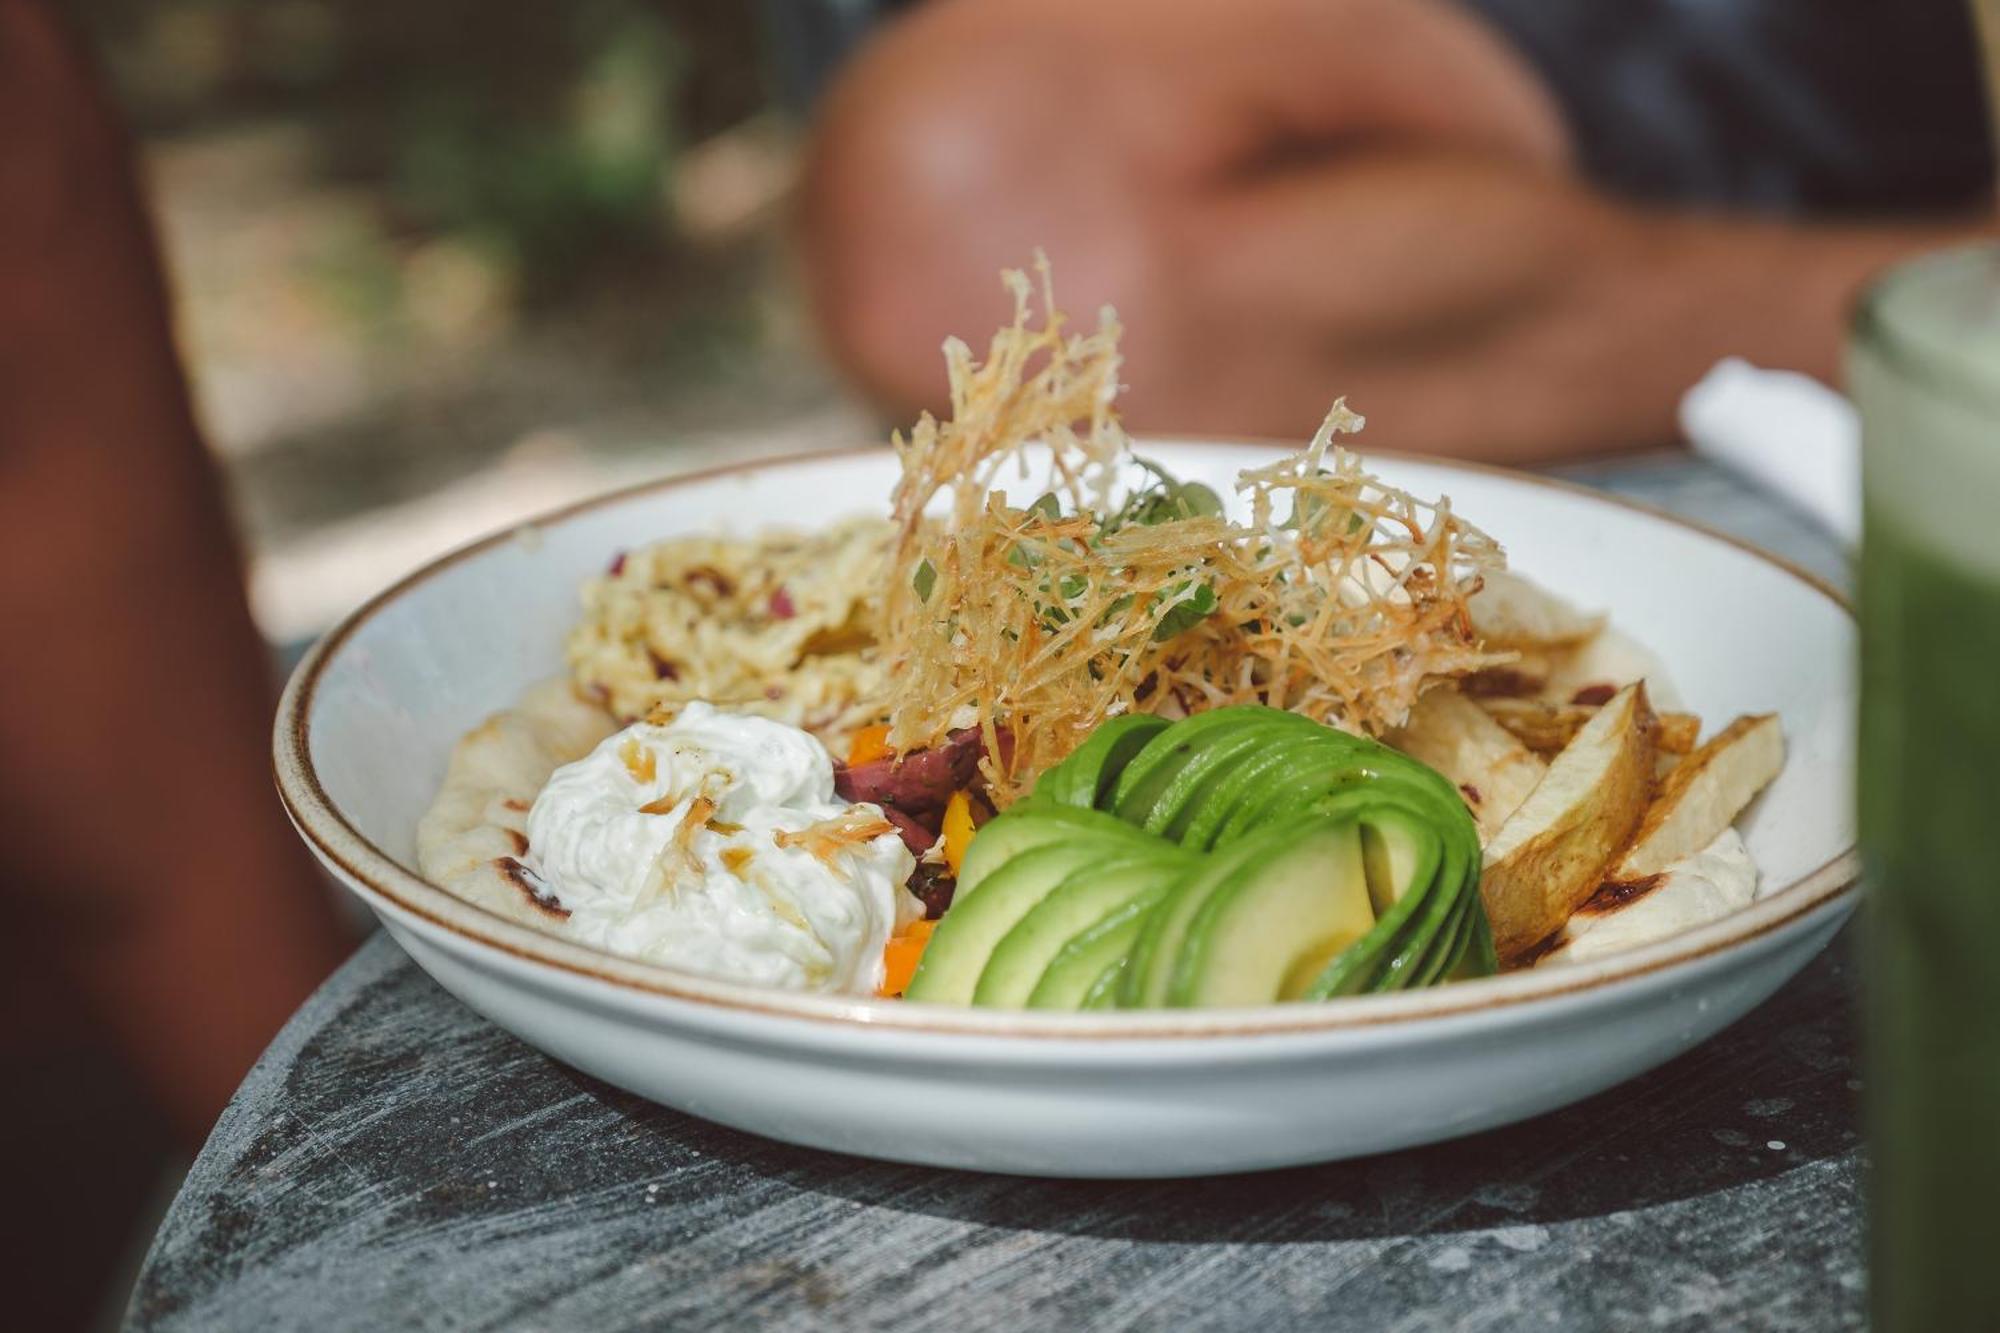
{"type": "Point", "coordinates": [715, 843]}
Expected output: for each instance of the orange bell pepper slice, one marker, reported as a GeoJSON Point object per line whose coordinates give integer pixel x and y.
{"type": "Point", "coordinates": [901, 956]}
{"type": "Point", "coordinates": [868, 745]}
{"type": "Point", "coordinates": [957, 830]}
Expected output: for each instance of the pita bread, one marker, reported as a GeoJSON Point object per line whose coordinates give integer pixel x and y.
{"type": "Point", "coordinates": [474, 839]}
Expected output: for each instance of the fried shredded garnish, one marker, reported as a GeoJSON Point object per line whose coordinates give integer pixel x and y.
{"type": "Point", "coordinates": [1121, 589]}
{"type": "Point", "coordinates": [828, 837]}
{"type": "Point", "coordinates": [677, 858]}
{"type": "Point", "coordinates": [696, 819]}
{"type": "Point", "coordinates": [638, 760]}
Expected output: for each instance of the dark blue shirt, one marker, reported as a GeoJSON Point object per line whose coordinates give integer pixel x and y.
{"type": "Point", "coordinates": [1823, 106]}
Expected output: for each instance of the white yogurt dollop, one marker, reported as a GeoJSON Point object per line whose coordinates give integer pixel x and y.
{"type": "Point", "coordinates": [618, 840]}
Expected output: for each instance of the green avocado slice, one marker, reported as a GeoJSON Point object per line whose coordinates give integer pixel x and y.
{"type": "Point", "coordinates": [1286, 793]}
{"type": "Point", "coordinates": [970, 928]}
{"type": "Point", "coordinates": [1155, 766]}
{"type": "Point", "coordinates": [1024, 828]}
{"type": "Point", "coordinates": [1270, 928]}
{"type": "Point", "coordinates": [1197, 825]}
{"type": "Point", "coordinates": [1148, 979]}
{"type": "Point", "coordinates": [1176, 800]}
{"type": "Point", "coordinates": [1082, 901]}
{"type": "Point", "coordinates": [1085, 959]}
{"type": "Point", "coordinates": [1086, 775]}
{"type": "Point", "coordinates": [1410, 878]}
{"type": "Point", "coordinates": [1350, 776]}
{"type": "Point", "coordinates": [1404, 801]}
{"type": "Point", "coordinates": [1311, 863]}
{"type": "Point", "coordinates": [1103, 993]}
{"type": "Point", "coordinates": [1476, 957]}
{"type": "Point", "coordinates": [1453, 944]}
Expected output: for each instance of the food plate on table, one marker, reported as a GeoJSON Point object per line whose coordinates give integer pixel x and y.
{"type": "Point", "coordinates": [1030, 798]}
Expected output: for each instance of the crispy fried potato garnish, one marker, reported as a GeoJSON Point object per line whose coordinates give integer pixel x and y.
{"type": "Point", "coordinates": [1704, 794]}
{"type": "Point", "coordinates": [1454, 735]}
{"type": "Point", "coordinates": [1550, 856]}
{"type": "Point", "coordinates": [1331, 593]}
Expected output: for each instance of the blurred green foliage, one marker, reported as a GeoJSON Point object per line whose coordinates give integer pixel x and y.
{"type": "Point", "coordinates": [557, 153]}
{"type": "Point", "coordinates": [542, 131]}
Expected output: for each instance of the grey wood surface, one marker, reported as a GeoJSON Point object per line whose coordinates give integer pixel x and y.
{"type": "Point", "coordinates": [394, 1161]}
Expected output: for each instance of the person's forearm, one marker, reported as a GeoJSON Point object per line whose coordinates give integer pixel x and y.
{"type": "Point", "coordinates": [1478, 308]}
{"type": "Point", "coordinates": [145, 848]}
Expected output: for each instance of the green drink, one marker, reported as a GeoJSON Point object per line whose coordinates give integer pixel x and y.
{"type": "Point", "coordinates": [1925, 370]}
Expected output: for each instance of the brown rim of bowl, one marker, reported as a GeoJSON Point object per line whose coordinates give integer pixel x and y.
{"type": "Point", "coordinates": [344, 847]}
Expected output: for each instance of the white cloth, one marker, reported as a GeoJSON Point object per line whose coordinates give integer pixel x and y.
{"type": "Point", "coordinates": [1784, 432]}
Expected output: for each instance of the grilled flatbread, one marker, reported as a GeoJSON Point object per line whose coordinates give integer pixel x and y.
{"type": "Point", "coordinates": [474, 839]}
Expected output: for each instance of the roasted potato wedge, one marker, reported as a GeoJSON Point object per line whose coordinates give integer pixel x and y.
{"type": "Point", "coordinates": [1679, 732]}
{"type": "Point", "coordinates": [1547, 727]}
{"type": "Point", "coordinates": [1543, 727]}
{"type": "Point", "coordinates": [1704, 794]}
{"type": "Point", "coordinates": [1510, 612]}
{"type": "Point", "coordinates": [1454, 735]}
{"type": "Point", "coordinates": [1551, 854]}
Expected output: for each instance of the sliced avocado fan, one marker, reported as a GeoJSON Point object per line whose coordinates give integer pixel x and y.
{"type": "Point", "coordinates": [1246, 855]}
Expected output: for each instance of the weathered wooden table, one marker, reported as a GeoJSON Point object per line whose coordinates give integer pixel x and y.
{"type": "Point", "coordinates": [394, 1161]}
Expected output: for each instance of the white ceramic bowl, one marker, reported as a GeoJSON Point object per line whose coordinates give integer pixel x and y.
{"type": "Point", "coordinates": [369, 717]}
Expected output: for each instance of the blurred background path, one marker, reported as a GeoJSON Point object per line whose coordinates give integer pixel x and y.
{"type": "Point", "coordinates": [353, 198]}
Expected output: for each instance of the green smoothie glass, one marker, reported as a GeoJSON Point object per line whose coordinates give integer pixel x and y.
{"type": "Point", "coordinates": [1924, 369]}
